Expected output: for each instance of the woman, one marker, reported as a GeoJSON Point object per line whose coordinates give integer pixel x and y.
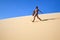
{"type": "Point", "coordinates": [35, 14]}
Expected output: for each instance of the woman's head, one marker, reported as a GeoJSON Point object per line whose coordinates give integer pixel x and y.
{"type": "Point", "coordinates": [36, 7]}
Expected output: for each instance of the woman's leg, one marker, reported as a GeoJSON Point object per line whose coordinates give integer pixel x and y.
{"type": "Point", "coordinates": [34, 19]}
{"type": "Point", "coordinates": [38, 17]}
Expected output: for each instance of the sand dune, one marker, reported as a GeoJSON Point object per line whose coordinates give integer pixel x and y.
{"type": "Point", "coordinates": [21, 28]}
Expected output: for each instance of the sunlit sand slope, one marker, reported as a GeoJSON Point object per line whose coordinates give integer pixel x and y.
{"type": "Point", "coordinates": [22, 28]}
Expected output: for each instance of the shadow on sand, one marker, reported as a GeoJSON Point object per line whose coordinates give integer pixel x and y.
{"type": "Point", "coordinates": [50, 19]}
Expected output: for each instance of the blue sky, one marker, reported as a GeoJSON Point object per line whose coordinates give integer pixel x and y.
{"type": "Point", "coordinates": [14, 8]}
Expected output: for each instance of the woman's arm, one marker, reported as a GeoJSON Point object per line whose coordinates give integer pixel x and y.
{"type": "Point", "coordinates": [33, 13]}
{"type": "Point", "coordinates": [40, 11]}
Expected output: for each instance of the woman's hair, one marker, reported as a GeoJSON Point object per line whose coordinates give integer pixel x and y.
{"type": "Point", "coordinates": [37, 7]}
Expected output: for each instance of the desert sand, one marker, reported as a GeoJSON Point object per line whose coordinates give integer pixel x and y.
{"type": "Point", "coordinates": [22, 28]}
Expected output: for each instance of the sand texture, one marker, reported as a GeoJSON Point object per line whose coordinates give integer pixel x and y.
{"type": "Point", "coordinates": [22, 28]}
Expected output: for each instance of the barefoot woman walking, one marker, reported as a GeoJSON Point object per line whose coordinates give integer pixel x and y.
{"type": "Point", "coordinates": [35, 14]}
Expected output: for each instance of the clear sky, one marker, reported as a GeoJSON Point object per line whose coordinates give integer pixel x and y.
{"type": "Point", "coordinates": [14, 8]}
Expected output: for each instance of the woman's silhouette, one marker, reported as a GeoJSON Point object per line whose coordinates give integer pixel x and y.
{"type": "Point", "coordinates": [35, 14]}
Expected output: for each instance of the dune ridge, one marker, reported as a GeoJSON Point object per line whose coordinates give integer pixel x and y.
{"type": "Point", "coordinates": [22, 28]}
